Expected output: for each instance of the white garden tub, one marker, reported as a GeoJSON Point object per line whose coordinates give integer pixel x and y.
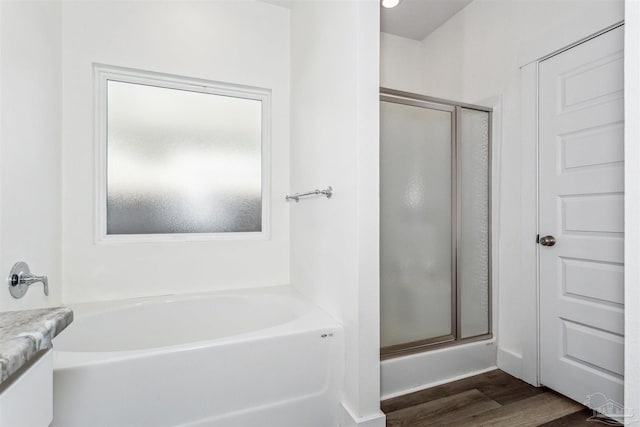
{"type": "Point", "coordinates": [256, 357]}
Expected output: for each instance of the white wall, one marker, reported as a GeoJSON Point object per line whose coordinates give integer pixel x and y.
{"type": "Point", "coordinates": [475, 56]}
{"type": "Point", "coordinates": [334, 133]}
{"type": "Point", "coordinates": [243, 43]}
{"type": "Point", "coordinates": [30, 76]}
{"type": "Point", "coordinates": [402, 63]}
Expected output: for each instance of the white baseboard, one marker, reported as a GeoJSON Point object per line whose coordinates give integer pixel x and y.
{"type": "Point", "coordinates": [415, 372]}
{"type": "Point", "coordinates": [349, 419]}
{"type": "Point", "coordinates": [510, 362]}
{"type": "Point", "coordinates": [437, 383]}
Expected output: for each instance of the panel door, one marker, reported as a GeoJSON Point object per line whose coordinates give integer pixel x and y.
{"type": "Point", "coordinates": [581, 200]}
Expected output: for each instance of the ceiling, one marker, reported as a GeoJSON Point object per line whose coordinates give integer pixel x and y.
{"type": "Point", "coordinates": [416, 19]}
{"type": "Point", "coordinates": [413, 19]}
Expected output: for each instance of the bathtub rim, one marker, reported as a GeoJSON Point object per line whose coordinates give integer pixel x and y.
{"type": "Point", "coordinates": [310, 318]}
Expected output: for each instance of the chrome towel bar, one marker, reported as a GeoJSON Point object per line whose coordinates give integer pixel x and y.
{"type": "Point", "coordinates": [327, 192]}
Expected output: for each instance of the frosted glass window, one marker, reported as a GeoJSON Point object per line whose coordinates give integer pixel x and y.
{"type": "Point", "coordinates": [473, 247]}
{"type": "Point", "coordinates": [181, 161]}
{"type": "Point", "coordinates": [415, 223]}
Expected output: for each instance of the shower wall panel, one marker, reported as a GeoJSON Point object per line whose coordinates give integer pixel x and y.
{"type": "Point", "coordinates": [473, 238]}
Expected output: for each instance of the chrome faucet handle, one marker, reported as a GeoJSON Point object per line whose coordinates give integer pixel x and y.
{"type": "Point", "coordinates": [29, 279]}
{"type": "Point", "coordinates": [20, 278]}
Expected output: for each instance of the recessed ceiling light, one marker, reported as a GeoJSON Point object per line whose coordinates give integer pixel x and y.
{"type": "Point", "coordinates": [390, 3]}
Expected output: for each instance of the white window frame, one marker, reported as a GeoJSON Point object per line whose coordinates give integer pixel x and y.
{"type": "Point", "coordinates": [103, 74]}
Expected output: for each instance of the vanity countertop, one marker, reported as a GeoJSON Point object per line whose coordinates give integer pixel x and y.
{"type": "Point", "coordinates": [26, 332]}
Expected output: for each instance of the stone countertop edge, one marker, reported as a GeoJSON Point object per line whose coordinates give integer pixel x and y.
{"type": "Point", "coordinates": [26, 332]}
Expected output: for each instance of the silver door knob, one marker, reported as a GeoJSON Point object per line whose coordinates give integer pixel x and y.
{"type": "Point", "coordinates": [547, 241]}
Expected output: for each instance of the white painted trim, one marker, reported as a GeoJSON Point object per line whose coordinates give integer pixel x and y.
{"type": "Point", "coordinates": [405, 374]}
{"type": "Point", "coordinates": [632, 206]}
{"type": "Point", "coordinates": [103, 73]}
{"type": "Point", "coordinates": [349, 419]}
{"type": "Point", "coordinates": [529, 223]}
{"type": "Point", "coordinates": [437, 383]}
{"type": "Point", "coordinates": [510, 362]}
{"type": "Point", "coordinates": [529, 182]}
{"type": "Point", "coordinates": [568, 34]}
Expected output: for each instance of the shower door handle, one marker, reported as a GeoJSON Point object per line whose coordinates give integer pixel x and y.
{"type": "Point", "coordinates": [547, 241]}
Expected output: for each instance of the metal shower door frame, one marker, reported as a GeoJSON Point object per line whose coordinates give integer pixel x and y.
{"type": "Point", "coordinates": [454, 337]}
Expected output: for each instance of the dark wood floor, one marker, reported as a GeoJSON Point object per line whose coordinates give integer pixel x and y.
{"type": "Point", "coordinates": [491, 399]}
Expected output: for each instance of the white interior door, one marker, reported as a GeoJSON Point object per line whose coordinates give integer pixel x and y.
{"type": "Point", "coordinates": [581, 199]}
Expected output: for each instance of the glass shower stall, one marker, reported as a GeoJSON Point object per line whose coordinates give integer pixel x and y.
{"type": "Point", "coordinates": [435, 218]}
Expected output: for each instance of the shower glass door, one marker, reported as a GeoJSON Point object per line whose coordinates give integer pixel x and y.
{"type": "Point", "coordinates": [416, 213]}
{"type": "Point", "coordinates": [434, 219]}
